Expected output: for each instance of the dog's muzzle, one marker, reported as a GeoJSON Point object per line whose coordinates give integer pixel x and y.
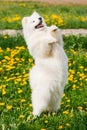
{"type": "Point", "coordinates": [40, 25]}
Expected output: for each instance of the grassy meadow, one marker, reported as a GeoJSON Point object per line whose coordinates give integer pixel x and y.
{"type": "Point", "coordinates": [16, 62]}
{"type": "Point", "coordinates": [69, 16]}
{"type": "Point", "coordinates": [15, 99]}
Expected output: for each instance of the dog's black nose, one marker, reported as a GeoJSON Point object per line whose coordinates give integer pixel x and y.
{"type": "Point", "coordinates": [40, 18]}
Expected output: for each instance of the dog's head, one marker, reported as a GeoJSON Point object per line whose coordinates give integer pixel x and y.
{"type": "Point", "coordinates": [33, 22]}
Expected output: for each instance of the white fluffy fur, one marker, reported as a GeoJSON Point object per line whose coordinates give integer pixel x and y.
{"type": "Point", "coordinates": [49, 75]}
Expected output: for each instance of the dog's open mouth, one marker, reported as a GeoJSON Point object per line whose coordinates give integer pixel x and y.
{"type": "Point", "coordinates": [40, 25]}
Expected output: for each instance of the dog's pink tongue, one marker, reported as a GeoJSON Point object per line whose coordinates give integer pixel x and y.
{"type": "Point", "coordinates": [40, 25]}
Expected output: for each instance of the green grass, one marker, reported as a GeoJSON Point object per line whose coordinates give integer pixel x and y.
{"type": "Point", "coordinates": [11, 14]}
{"type": "Point", "coordinates": [15, 93]}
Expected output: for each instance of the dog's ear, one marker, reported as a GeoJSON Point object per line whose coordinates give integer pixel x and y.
{"type": "Point", "coordinates": [24, 21]}
{"type": "Point", "coordinates": [34, 13]}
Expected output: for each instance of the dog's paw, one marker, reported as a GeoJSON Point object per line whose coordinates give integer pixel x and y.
{"type": "Point", "coordinates": [53, 28]}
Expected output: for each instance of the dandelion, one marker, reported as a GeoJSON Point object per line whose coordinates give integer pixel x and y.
{"type": "Point", "coordinates": [24, 83]}
{"type": "Point", "coordinates": [7, 57]}
{"type": "Point", "coordinates": [71, 115]}
{"type": "Point", "coordinates": [81, 67]}
{"type": "Point", "coordinates": [62, 103]}
{"type": "Point", "coordinates": [80, 107]}
{"type": "Point", "coordinates": [67, 124]}
{"type": "Point", "coordinates": [23, 100]}
{"type": "Point", "coordinates": [85, 69]}
{"type": "Point", "coordinates": [15, 18]}
{"type": "Point", "coordinates": [28, 118]}
{"type": "Point", "coordinates": [68, 100]}
{"type": "Point", "coordinates": [53, 113]}
{"type": "Point", "coordinates": [3, 91]}
{"type": "Point", "coordinates": [74, 87]}
{"type": "Point", "coordinates": [2, 103]}
{"type": "Point", "coordinates": [20, 90]}
{"type": "Point", "coordinates": [66, 112]}
{"type": "Point", "coordinates": [21, 116]}
{"type": "Point", "coordinates": [60, 127]}
{"type": "Point", "coordinates": [82, 18]}
{"type": "Point", "coordinates": [22, 4]}
{"type": "Point", "coordinates": [30, 60]}
{"type": "Point", "coordinates": [30, 104]}
{"type": "Point", "coordinates": [70, 78]}
{"type": "Point", "coordinates": [86, 109]}
{"type": "Point", "coordinates": [72, 71]}
{"type": "Point", "coordinates": [8, 49]}
{"type": "Point", "coordinates": [1, 51]}
{"type": "Point", "coordinates": [5, 36]}
{"type": "Point", "coordinates": [25, 75]}
{"type": "Point", "coordinates": [9, 107]}
{"type": "Point", "coordinates": [1, 87]}
{"type": "Point", "coordinates": [64, 95]}
{"type": "Point", "coordinates": [33, 64]}
{"type": "Point", "coordinates": [46, 121]}
{"type": "Point", "coordinates": [70, 64]}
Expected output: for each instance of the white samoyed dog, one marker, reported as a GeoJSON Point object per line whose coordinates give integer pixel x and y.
{"type": "Point", "coordinates": [49, 75]}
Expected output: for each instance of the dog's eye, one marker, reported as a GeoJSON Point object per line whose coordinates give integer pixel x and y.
{"type": "Point", "coordinates": [33, 21]}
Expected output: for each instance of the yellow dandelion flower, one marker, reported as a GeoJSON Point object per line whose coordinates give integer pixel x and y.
{"type": "Point", "coordinates": [43, 129]}
{"type": "Point", "coordinates": [22, 4]}
{"type": "Point", "coordinates": [5, 36]}
{"type": "Point", "coordinates": [66, 112]}
{"type": "Point", "coordinates": [70, 64]}
{"type": "Point", "coordinates": [53, 113]}
{"type": "Point", "coordinates": [30, 104]}
{"type": "Point", "coordinates": [75, 80]}
{"type": "Point", "coordinates": [62, 103]}
{"type": "Point", "coordinates": [8, 49]}
{"type": "Point", "coordinates": [64, 95]}
{"type": "Point", "coordinates": [30, 60]}
{"type": "Point", "coordinates": [72, 71]}
{"type": "Point", "coordinates": [7, 57]}
{"type": "Point", "coordinates": [71, 115]}
{"type": "Point", "coordinates": [23, 100]}
{"type": "Point", "coordinates": [68, 100]}
{"type": "Point", "coordinates": [24, 83]}
{"type": "Point", "coordinates": [9, 107]}
{"type": "Point", "coordinates": [3, 91]}
{"type": "Point", "coordinates": [1, 87]}
{"type": "Point", "coordinates": [28, 118]}
{"type": "Point", "coordinates": [33, 64]}
{"type": "Point", "coordinates": [20, 90]}
{"type": "Point", "coordinates": [85, 108]}
{"type": "Point", "coordinates": [46, 121]}
{"type": "Point", "coordinates": [81, 67]}
{"type": "Point", "coordinates": [21, 116]}
{"type": "Point", "coordinates": [67, 124]}
{"type": "Point", "coordinates": [16, 18]}
{"type": "Point", "coordinates": [60, 127]}
{"type": "Point", "coordinates": [74, 87]}
{"type": "Point", "coordinates": [70, 78]}
{"type": "Point", "coordinates": [1, 51]}
{"type": "Point", "coordinates": [80, 107]}
{"type": "Point", "coordinates": [25, 75]}
{"type": "Point", "coordinates": [17, 59]}
{"type": "Point", "coordinates": [85, 69]}
{"type": "Point", "coordinates": [2, 103]}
